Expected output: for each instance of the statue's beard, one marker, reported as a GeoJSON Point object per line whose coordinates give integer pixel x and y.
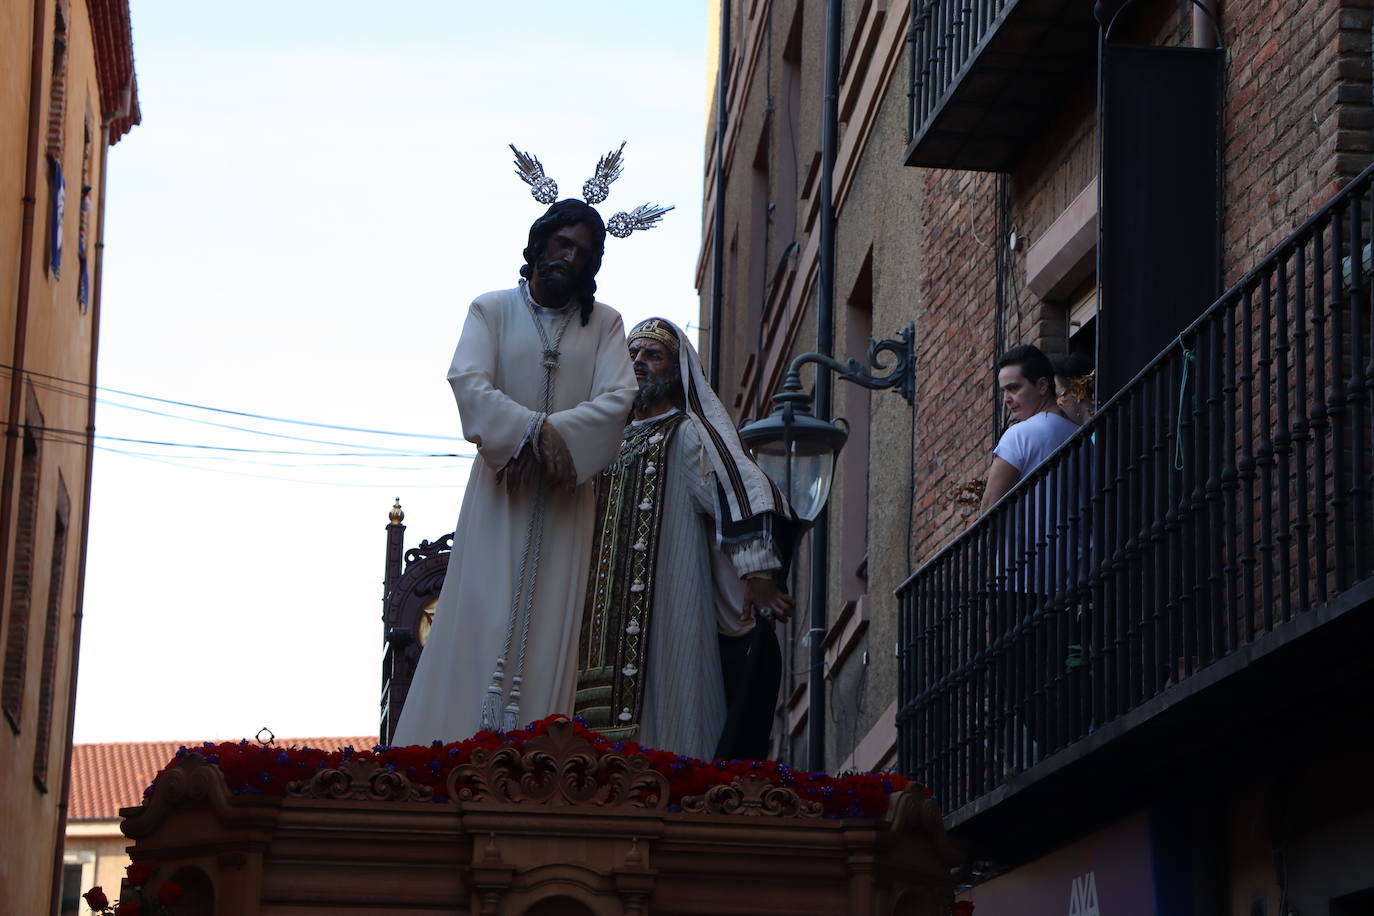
{"type": "Point", "coordinates": [556, 285]}
{"type": "Point", "coordinates": [654, 388]}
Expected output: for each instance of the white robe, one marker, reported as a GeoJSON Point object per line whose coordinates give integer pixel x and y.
{"type": "Point", "coordinates": [698, 592]}
{"type": "Point", "coordinates": [498, 379]}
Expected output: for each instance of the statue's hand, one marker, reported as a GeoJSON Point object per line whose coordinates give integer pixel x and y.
{"type": "Point", "coordinates": [558, 461]}
{"type": "Point", "coordinates": [761, 592]}
{"type": "Point", "coordinates": [518, 472]}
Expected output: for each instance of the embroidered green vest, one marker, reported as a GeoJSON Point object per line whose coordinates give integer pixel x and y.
{"type": "Point", "coordinates": [613, 648]}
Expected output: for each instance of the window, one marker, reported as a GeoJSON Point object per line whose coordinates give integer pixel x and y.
{"type": "Point", "coordinates": [52, 631]}
{"type": "Point", "coordinates": [21, 584]}
{"type": "Point", "coordinates": [83, 282]}
{"type": "Point", "coordinates": [57, 122]}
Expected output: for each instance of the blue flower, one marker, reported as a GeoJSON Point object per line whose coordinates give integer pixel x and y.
{"type": "Point", "coordinates": [348, 752]}
{"type": "Point", "coordinates": [675, 808]}
{"type": "Point", "coordinates": [390, 767]}
{"type": "Point", "coordinates": [283, 757]}
{"type": "Point", "coordinates": [436, 743]}
{"type": "Point", "coordinates": [212, 758]}
{"type": "Point", "coordinates": [454, 751]}
{"type": "Point", "coordinates": [265, 777]}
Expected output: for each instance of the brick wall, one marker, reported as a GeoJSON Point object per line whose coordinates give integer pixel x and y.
{"type": "Point", "coordinates": [1297, 126]}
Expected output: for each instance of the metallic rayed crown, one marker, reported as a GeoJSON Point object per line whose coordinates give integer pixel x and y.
{"type": "Point", "coordinates": [594, 190]}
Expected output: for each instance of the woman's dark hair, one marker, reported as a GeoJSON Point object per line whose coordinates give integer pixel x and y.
{"type": "Point", "coordinates": [1071, 365]}
{"type": "Point", "coordinates": [1034, 365]}
{"type": "Point", "coordinates": [570, 212]}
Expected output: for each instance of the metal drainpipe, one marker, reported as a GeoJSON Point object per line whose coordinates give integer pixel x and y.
{"type": "Point", "coordinates": [1204, 32]}
{"type": "Point", "coordinates": [718, 229]}
{"type": "Point", "coordinates": [825, 344]}
{"type": "Point", "coordinates": [97, 275]}
{"type": "Point", "coordinates": [21, 309]}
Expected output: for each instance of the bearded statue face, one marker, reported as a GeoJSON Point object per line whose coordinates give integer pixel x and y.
{"type": "Point", "coordinates": [657, 371]}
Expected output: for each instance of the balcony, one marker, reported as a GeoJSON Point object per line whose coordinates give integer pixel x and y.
{"type": "Point", "coordinates": [1191, 568]}
{"type": "Point", "coordinates": [987, 75]}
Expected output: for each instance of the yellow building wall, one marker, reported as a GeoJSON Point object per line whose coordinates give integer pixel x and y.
{"type": "Point", "coordinates": [58, 343]}
{"type": "Point", "coordinates": [16, 28]}
{"type": "Point", "coordinates": [101, 851]}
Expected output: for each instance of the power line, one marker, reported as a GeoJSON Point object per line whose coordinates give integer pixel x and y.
{"type": "Point", "coordinates": [258, 432]}
{"type": "Point", "coordinates": [80, 438]}
{"type": "Point", "coordinates": [323, 483]}
{"type": "Point", "coordinates": [9, 370]}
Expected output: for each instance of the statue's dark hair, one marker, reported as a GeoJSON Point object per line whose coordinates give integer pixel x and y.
{"type": "Point", "coordinates": [570, 212]}
{"type": "Point", "coordinates": [1033, 363]}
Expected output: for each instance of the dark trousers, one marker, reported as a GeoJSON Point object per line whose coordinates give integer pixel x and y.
{"type": "Point", "coordinates": [752, 667]}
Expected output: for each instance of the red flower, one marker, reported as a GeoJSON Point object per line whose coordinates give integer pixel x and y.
{"type": "Point", "coordinates": [169, 894]}
{"type": "Point", "coordinates": [96, 899]}
{"type": "Point", "coordinates": [129, 909]}
{"type": "Point", "coordinates": [139, 873]}
{"type": "Point", "coordinates": [962, 908]}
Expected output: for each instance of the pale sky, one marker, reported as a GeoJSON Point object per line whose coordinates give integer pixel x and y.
{"type": "Point", "coordinates": [317, 191]}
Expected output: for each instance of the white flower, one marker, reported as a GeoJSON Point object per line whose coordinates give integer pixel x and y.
{"type": "Point", "coordinates": [629, 671]}
{"type": "Point", "coordinates": [640, 545]}
{"type": "Point", "coordinates": [625, 715]}
{"type": "Point", "coordinates": [633, 628]}
{"type": "Point", "coordinates": [646, 505]}
{"type": "Point", "coordinates": [651, 469]}
{"type": "Point", "coordinates": [637, 587]}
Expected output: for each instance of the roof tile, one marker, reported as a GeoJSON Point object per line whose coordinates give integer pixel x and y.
{"type": "Point", "coordinates": [107, 777]}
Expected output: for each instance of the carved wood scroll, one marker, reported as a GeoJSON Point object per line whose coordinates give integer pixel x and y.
{"type": "Point", "coordinates": [558, 768]}
{"type": "Point", "coordinates": [359, 780]}
{"type": "Point", "coordinates": [751, 797]}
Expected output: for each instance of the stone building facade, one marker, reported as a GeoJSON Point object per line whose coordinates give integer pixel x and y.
{"type": "Point", "coordinates": [967, 203]}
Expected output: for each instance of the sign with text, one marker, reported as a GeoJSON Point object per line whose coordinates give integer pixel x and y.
{"type": "Point", "coordinates": [1108, 873]}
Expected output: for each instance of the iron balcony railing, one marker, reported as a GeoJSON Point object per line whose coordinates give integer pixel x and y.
{"type": "Point", "coordinates": [1224, 493]}
{"type": "Point", "coordinates": [943, 38]}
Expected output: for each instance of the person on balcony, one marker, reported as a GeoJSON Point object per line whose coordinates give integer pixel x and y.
{"type": "Point", "coordinates": [1026, 380]}
{"type": "Point", "coordinates": [1073, 380]}
{"type": "Point", "coordinates": [543, 385]}
{"type": "Point", "coordinates": [676, 649]}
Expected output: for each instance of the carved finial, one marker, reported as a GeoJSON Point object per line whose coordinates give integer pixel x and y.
{"type": "Point", "coordinates": [397, 514]}
{"type": "Point", "coordinates": [490, 854]}
{"type": "Point", "coordinates": [634, 858]}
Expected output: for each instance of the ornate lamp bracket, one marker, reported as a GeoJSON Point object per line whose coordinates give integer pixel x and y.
{"type": "Point", "coordinates": [901, 375]}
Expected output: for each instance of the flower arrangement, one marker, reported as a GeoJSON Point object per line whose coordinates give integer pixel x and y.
{"type": "Point", "coordinates": [167, 895]}
{"type": "Point", "coordinates": [256, 769]}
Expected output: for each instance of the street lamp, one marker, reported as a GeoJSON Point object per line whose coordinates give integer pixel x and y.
{"type": "Point", "coordinates": [798, 449]}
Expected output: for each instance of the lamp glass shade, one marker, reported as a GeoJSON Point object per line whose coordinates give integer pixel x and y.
{"type": "Point", "coordinates": [813, 466]}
